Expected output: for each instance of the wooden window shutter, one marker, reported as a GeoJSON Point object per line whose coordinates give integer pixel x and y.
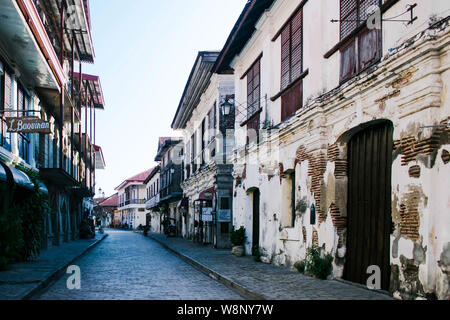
{"type": "Point", "coordinates": [292, 65]}
{"type": "Point", "coordinates": [253, 89]}
{"type": "Point", "coordinates": [291, 100]}
{"type": "Point", "coordinates": [253, 124]}
{"type": "Point", "coordinates": [369, 44]}
{"type": "Point", "coordinates": [348, 61]}
{"type": "Point", "coordinates": [348, 17]}
{"type": "Point", "coordinates": [364, 49]}
{"type": "Point", "coordinates": [285, 57]}
{"type": "Point", "coordinates": [297, 47]}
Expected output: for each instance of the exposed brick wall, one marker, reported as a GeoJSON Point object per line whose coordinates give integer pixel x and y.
{"type": "Point", "coordinates": [445, 156]}
{"type": "Point", "coordinates": [315, 238]}
{"type": "Point", "coordinates": [409, 217]}
{"type": "Point", "coordinates": [304, 234]}
{"type": "Point", "coordinates": [281, 170]}
{"type": "Point", "coordinates": [317, 167]}
{"type": "Point", "coordinates": [414, 172]}
{"type": "Point", "coordinates": [410, 147]}
{"type": "Point", "coordinates": [339, 222]}
{"type": "Point", "coordinates": [340, 165]}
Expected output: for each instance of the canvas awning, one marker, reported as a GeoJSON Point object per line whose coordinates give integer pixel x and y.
{"type": "Point", "coordinates": [94, 88]}
{"type": "Point", "coordinates": [207, 195]}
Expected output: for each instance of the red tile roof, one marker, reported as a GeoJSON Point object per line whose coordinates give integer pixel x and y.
{"type": "Point", "coordinates": [140, 178]}
{"type": "Point", "coordinates": [112, 201]}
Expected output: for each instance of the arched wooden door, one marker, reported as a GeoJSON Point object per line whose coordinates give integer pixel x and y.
{"type": "Point", "coordinates": [369, 203]}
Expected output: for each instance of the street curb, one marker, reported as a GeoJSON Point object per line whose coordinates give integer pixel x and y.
{"type": "Point", "coordinates": [55, 275]}
{"type": "Point", "coordinates": [211, 273]}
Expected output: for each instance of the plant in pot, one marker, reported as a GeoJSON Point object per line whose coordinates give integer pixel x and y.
{"type": "Point", "coordinates": [238, 240]}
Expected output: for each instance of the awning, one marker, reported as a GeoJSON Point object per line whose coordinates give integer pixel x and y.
{"type": "Point", "coordinates": [21, 179]}
{"type": "Point", "coordinates": [206, 195]}
{"type": "Point", "coordinates": [95, 88]}
{"type": "Point", "coordinates": [18, 177]}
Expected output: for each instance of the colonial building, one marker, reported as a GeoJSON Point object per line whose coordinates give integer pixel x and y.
{"type": "Point", "coordinates": [152, 204]}
{"type": "Point", "coordinates": [342, 124]}
{"type": "Point", "coordinates": [170, 151]}
{"type": "Point", "coordinates": [40, 46]}
{"type": "Point", "coordinates": [208, 180]}
{"type": "Point", "coordinates": [105, 208]}
{"type": "Point", "coordinates": [131, 194]}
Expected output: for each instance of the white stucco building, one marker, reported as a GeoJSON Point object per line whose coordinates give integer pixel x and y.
{"type": "Point", "coordinates": [208, 181]}
{"type": "Point", "coordinates": [351, 151]}
{"type": "Point", "coordinates": [132, 195]}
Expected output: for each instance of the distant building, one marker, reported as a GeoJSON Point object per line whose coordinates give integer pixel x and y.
{"type": "Point", "coordinates": [131, 194]}
{"type": "Point", "coordinates": [105, 209]}
{"type": "Point", "coordinates": [169, 155]}
{"type": "Point", "coordinates": [154, 218]}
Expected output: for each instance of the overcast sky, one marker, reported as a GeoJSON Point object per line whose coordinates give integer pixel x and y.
{"type": "Point", "coordinates": [145, 50]}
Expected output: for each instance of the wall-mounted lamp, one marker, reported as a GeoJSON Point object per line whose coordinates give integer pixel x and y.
{"type": "Point", "coordinates": [226, 107]}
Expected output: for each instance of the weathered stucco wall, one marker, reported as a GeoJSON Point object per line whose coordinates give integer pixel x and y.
{"type": "Point", "coordinates": [409, 88]}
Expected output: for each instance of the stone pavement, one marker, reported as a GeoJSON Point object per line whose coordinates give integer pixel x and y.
{"type": "Point", "coordinates": [22, 280]}
{"type": "Point", "coordinates": [262, 281]}
{"type": "Point", "coordinates": [128, 266]}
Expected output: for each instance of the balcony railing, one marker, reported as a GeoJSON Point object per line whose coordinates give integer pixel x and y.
{"type": "Point", "coordinates": [171, 190]}
{"type": "Point", "coordinates": [132, 201]}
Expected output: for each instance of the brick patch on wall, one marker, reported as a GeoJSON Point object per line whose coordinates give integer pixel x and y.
{"type": "Point", "coordinates": [409, 216]}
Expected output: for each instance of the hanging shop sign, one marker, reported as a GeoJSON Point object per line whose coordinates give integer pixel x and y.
{"type": "Point", "coordinates": [224, 215]}
{"type": "Point", "coordinates": [27, 125]}
{"type": "Point", "coordinates": [207, 215]}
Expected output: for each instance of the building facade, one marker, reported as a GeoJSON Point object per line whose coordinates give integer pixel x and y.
{"type": "Point", "coordinates": [152, 204]}
{"type": "Point", "coordinates": [132, 194]}
{"type": "Point", "coordinates": [170, 151]}
{"type": "Point", "coordinates": [208, 180]}
{"type": "Point", "coordinates": [105, 209]}
{"type": "Point", "coordinates": [342, 137]}
{"type": "Point", "coordinates": [39, 50]}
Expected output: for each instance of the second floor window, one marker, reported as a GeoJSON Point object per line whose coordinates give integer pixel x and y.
{"type": "Point", "coordinates": [363, 47]}
{"type": "Point", "coordinates": [292, 65]}
{"type": "Point", "coordinates": [254, 89]}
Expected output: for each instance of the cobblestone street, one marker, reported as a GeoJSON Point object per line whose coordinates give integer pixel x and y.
{"type": "Point", "coordinates": [128, 266]}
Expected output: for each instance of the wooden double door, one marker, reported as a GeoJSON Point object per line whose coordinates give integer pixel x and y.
{"type": "Point", "coordinates": [369, 203]}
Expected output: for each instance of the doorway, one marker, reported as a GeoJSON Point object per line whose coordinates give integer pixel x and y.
{"type": "Point", "coordinates": [256, 218]}
{"type": "Point", "coordinates": [369, 203]}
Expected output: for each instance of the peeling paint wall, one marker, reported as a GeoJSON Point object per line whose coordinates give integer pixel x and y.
{"type": "Point", "coordinates": [408, 87]}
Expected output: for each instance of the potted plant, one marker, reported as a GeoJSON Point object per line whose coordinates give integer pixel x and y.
{"type": "Point", "coordinates": [238, 240]}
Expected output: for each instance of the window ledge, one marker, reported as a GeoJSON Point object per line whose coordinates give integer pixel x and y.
{"type": "Point", "coordinates": [301, 77]}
